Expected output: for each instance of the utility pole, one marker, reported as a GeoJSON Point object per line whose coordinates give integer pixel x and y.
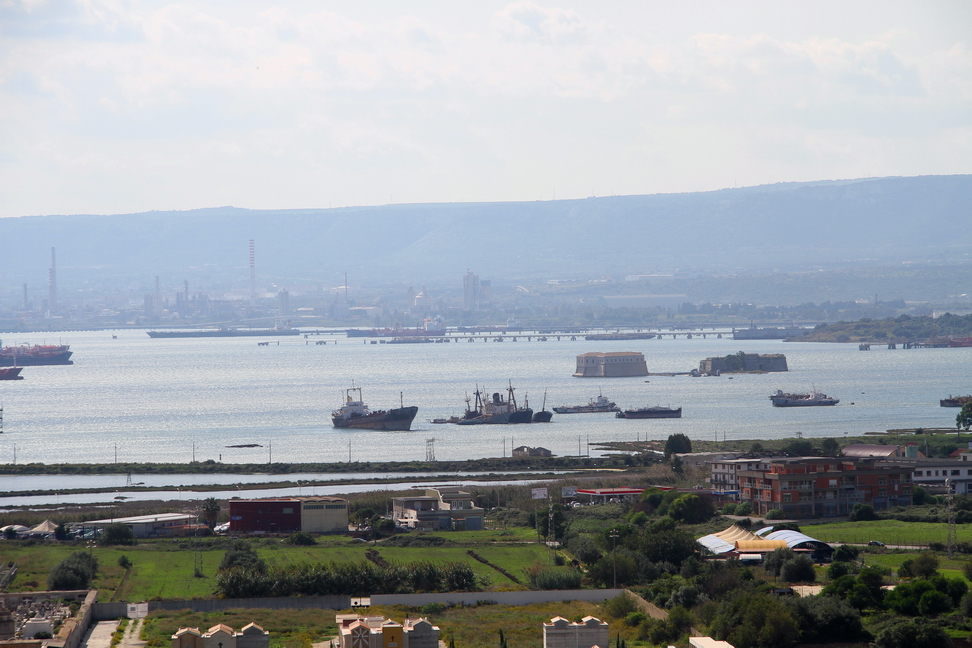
{"type": "Point", "coordinates": [950, 499]}
{"type": "Point", "coordinates": [614, 555]}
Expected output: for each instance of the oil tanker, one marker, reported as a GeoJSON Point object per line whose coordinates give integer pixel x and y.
{"type": "Point", "coordinates": [35, 354]}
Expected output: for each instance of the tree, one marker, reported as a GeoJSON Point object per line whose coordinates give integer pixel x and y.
{"type": "Point", "coordinates": [798, 570]}
{"type": "Point", "coordinates": [117, 533]}
{"type": "Point", "coordinates": [677, 443]}
{"type": "Point", "coordinates": [241, 554]}
{"type": "Point", "coordinates": [912, 633]}
{"type": "Point", "coordinates": [830, 447]}
{"type": "Point", "coordinates": [862, 512]}
{"type": "Point", "coordinates": [74, 572]}
{"type": "Point", "coordinates": [756, 621]}
{"type": "Point", "coordinates": [690, 509]}
{"type": "Point", "coordinates": [924, 565]}
{"type": "Point", "coordinates": [210, 509]}
{"type": "Point", "coordinates": [822, 618]}
{"type": "Point", "coordinates": [963, 420]}
{"type": "Point", "coordinates": [846, 553]}
{"type": "Point", "coordinates": [799, 448]}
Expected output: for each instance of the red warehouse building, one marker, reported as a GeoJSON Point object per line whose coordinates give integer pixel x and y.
{"type": "Point", "coordinates": [267, 515]}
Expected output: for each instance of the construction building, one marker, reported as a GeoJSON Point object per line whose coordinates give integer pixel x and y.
{"type": "Point", "coordinates": [439, 508]}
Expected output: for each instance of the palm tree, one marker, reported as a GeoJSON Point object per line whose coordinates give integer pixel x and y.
{"type": "Point", "coordinates": [210, 509]}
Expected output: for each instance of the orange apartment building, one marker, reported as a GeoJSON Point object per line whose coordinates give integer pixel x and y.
{"type": "Point", "coordinates": [825, 486]}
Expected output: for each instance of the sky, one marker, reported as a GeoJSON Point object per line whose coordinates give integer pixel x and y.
{"type": "Point", "coordinates": [121, 106]}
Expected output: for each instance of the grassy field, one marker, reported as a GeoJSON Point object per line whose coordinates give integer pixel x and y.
{"type": "Point", "coordinates": [471, 626]}
{"type": "Point", "coordinates": [890, 532]}
{"type": "Point", "coordinates": [162, 570]}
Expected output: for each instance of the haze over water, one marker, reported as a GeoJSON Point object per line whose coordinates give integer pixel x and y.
{"type": "Point", "coordinates": [172, 400]}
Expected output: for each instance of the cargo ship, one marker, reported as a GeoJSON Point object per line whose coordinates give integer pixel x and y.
{"type": "Point", "coordinates": [813, 399]}
{"type": "Point", "coordinates": [955, 401]}
{"type": "Point", "coordinates": [656, 412]}
{"type": "Point", "coordinates": [35, 354]}
{"type": "Point", "coordinates": [496, 410]}
{"type": "Point", "coordinates": [430, 328]}
{"type": "Point", "coordinates": [356, 415]}
{"type": "Point", "coordinates": [10, 373]}
{"type": "Point", "coordinates": [595, 405]}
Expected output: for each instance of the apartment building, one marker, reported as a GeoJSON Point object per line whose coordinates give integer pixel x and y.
{"type": "Point", "coordinates": [825, 486]}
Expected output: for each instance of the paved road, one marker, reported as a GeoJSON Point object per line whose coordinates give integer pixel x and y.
{"type": "Point", "coordinates": [99, 635]}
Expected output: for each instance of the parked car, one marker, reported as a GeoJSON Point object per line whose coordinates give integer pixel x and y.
{"type": "Point", "coordinates": [875, 543]}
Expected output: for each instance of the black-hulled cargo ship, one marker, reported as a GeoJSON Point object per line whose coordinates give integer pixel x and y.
{"type": "Point", "coordinates": [656, 412]}
{"type": "Point", "coordinates": [356, 415]}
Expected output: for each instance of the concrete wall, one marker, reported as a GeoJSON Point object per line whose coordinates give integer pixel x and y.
{"type": "Point", "coordinates": [104, 611]}
{"type": "Point", "coordinates": [72, 630]}
{"type": "Point", "coordinates": [504, 598]}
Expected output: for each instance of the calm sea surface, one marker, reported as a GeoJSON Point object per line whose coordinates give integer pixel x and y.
{"type": "Point", "coordinates": [177, 399]}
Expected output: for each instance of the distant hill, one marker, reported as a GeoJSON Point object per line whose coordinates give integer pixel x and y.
{"type": "Point", "coordinates": [782, 227]}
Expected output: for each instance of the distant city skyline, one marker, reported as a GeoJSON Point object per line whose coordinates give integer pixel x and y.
{"type": "Point", "coordinates": [130, 107]}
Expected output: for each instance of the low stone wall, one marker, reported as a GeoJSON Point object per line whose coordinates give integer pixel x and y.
{"type": "Point", "coordinates": [505, 598]}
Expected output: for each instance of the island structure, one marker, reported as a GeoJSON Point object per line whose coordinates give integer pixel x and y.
{"type": "Point", "coordinates": [611, 365]}
{"type": "Point", "coordinates": [742, 362]}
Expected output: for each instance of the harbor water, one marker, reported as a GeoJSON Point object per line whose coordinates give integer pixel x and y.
{"type": "Point", "coordinates": [130, 398]}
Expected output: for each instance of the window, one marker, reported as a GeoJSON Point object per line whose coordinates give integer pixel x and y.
{"type": "Point", "coordinates": [787, 497]}
{"type": "Point", "coordinates": [882, 480]}
{"type": "Point", "coordinates": [882, 492]}
{"type": "Point", "coordinates": [833, 483]}
{"type": "Point", "coordinates": [955, 472]}
{"type": "Point", "coordinates": [288, 509]}
{"type": "Point", "coordinates": [917, 473]}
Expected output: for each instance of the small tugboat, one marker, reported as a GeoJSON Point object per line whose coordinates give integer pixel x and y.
{"type": "Point", "coordinates": [355, 414]}
{"type": "Point", "coordinates": [813, 399]}
{"type": "Point", "coordinates": [658, 411]}
{"type": "Point", "coordinates": [543, 416]}
{"type": "Point", "coordinates": [599, 404]}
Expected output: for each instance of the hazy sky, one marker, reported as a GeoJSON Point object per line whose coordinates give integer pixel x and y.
{"type": "Point", "coordinates": [111, 106]}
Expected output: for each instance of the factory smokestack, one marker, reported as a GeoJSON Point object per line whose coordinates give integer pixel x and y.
{"type": "Point", "coordinates": [252, 275]}
{"type": "Point", "coordinates": [52, 284]}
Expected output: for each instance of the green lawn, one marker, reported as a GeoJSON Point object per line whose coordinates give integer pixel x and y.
{"type": "Point", "coordinates": [890, 532]}
{"type": "Point", "coordinates": [160, 570]}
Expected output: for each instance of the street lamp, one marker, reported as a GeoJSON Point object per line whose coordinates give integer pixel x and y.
{"type": "Point", "coordinates": [91, 544]}
{"type": "Point", "coordinates": [614, 557]}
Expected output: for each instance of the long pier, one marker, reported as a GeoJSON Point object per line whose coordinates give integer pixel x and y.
{"type": "Point", "coordinates": [532, 335]}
